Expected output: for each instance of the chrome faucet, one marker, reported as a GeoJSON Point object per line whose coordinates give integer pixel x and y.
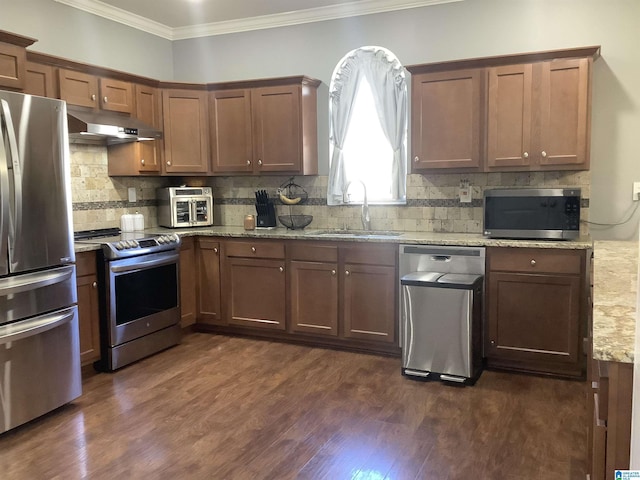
{"type": "Point", "coordinates": [365, 217]}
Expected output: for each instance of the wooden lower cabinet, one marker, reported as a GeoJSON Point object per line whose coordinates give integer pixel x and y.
{"type": "Point", "coordinates": [187, 282]}
{"type": "Point", "coordinates": [88, 309]}
{"type": "Point", "coordinates": [208, 266]}
{"type": "Point", "coordinates": [254, 283]}
{"type": "Point", "coordinates": [536, 316]}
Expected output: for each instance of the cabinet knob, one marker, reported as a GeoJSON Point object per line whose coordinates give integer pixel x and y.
{"type": "Point", "coordinates": [248, 162]}
{"type": "Point", "coordinates": [169, 163]}
{"type": "Point", "coordinates": [259, 162]}
{"type": "Point", "coordinates": [533, 263]}
{"type": "Point", "coordinates": [416, 159]}
{"type": "Point", "coordinates": [215, 249]}
{"type": "Point", "coordinates": [347, 273]}
{"type": "Point", "coordinates": [493, 342]}
{"type": "Point", "coordinates": [333, 273]}
{"type": "Point", "coordinates": [253, 249]}
{"type": "Point", "coordinates": [525, 155]}
{"type": "Point", "coordinates": [142, 161]}
{"type": "Point", "coordinates": [94, 284]}
{"type": "Point", "coordinates": [281, 269]}
{"type": "Point", "coordinates": [105, 100]}
{"type": "Point", "coordinates": [93, 97]}
{"type": "Point", "coordinates": [544, 154]}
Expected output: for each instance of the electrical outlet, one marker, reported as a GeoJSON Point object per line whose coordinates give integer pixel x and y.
{"type": "Point", "coordinates": [132, 194]}
{"type": "Point", "coordinates": [465, 191]}
{"type": "Point", "coordinates": [636, 191]}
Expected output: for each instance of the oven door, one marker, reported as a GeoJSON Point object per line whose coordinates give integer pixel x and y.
{"type": "Point", "coordinates": [142, 295]}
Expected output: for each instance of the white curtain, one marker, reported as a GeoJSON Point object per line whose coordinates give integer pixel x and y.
{"type": "Point", "coordinates": [386, 77]}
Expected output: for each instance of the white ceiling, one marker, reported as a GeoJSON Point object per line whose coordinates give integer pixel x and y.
{"type": "Point", "coordinates": [180, 19]}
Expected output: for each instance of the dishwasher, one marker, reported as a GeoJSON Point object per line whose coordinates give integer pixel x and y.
{"type": "Point", "coordinates": [441, 310]}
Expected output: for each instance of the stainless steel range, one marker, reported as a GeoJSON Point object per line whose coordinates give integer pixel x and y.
{"type": "Point", "coordinates": [139, 289]}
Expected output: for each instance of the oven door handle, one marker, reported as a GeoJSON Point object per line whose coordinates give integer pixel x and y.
{"type": "Point", "coordinates": [165, 260]}
{"type": "Point", "coordinates": [35, 326]}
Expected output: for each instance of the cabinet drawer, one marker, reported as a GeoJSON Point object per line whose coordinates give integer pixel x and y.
{"type": "Point", "coordinates": [370, 254]}
{"type": "Point", "coordinates": [313, 253]}
{"type": "Point", "coordinates": [258, 249]}
{"type": "Point", "coordinates": [534, 260]}
{"type": "Point", "coordinates": [86, 263]}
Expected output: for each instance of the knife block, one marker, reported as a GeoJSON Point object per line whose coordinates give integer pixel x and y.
{"type": "Point", "coordinates": [266, 214]}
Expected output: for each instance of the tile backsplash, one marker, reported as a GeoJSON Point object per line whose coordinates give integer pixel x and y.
{"type": "Point", "coordinates": [432, 200]}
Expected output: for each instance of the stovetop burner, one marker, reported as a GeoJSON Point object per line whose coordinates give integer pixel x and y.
{"type": "Point", "coordinates": [116, 244]}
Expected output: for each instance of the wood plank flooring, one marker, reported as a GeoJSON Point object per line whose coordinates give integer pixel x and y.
{"type": "Point", "coordinates": [219, 407]}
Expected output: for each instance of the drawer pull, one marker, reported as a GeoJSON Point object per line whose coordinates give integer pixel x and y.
{"type": "Point", "coordinates": [533, 263]}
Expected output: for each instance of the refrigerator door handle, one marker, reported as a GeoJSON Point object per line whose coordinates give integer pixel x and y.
{"type": "Point", "coordinates": [33, 281]}
{"type": "Point", "coordinates": [4, 192]}
{"type": "Point", "coordinates": [17, 176]}
{"type": "Point", "coordinates": [35, 326]}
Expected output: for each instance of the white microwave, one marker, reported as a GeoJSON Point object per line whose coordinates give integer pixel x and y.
{"type": "Point", "coordinates": [185, 207]}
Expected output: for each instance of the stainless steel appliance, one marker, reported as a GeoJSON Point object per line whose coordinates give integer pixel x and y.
{"type": "Point", "coordinates": [139, 285]}
{"type": "Point", "coordinates": [537, 213]}
{"type": "Point", "coordinates": [90, 126]}
{"type": "Point", "coordinates": [441, 312]}
{"type": "Point", "coordinates": [185, 206]}
{"type": "Point", "coordinates": [39, 343]}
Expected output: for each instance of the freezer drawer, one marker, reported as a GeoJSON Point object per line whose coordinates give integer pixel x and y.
{"type": "Point", "coordinates": [441, 319]}
{"type": "Point", "coordinates": [39, 366]}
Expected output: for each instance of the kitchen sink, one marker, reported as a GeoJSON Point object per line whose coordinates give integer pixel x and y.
{"type": "Point", "coordinates": [355, 233]}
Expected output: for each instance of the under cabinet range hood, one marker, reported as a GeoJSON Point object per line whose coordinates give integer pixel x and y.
{"type": "Point", "coordinates": [87, 126]}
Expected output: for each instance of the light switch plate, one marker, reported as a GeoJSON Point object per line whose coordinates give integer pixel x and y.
{"type": "Point", "coordinates": [132, 194]}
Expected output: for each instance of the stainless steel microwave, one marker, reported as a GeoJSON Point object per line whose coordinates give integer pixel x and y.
{"type": "Point", "coordinates": [533, 213]}
{"type": "Point", "coordinates": [185, 206]}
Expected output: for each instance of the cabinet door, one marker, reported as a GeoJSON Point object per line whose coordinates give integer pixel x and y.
{"type": "Point", "coordinates": [256, 293]}
{"type": "Point", "coordinates": [149, 109]}
{"type": "Point", "coordinates": [116, 95]}
{"type": "Point", "coordinates": [40, 80]}
{"type": "Point", "coordinates": [564, 116]}
{"type": "Point", "coordinates": [369, 309]}
{"type": "Point", "coordinates": [314, 297]}
{"type": "Point", "coordinates": [277, 129]}
{"type": "Point", "coordinates": [12, 66]}
{"type": "Point", "coordinates": [187, 282]}
{"type": "Point", "coordinates": [78, 88]}
{"type": "Point", "coordinates": [509, 116]}
{"type": "Point", "coordinates": [533, 318]}
{"type": "Point", "coordinates": [88, 318]}
{"type": "Point", "coordinates": [209, 300]}
{"type": "Point", "coordinates": [231, 138]}
{"type": "Point", "coordinates": [446, 120]}
{"type": "Point", "coordinates": [186, 144]}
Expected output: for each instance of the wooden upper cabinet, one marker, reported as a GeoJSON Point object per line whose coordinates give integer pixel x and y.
{"type": "Point", "coordinates": [85, 90]}
{"type": "Point", "coordinates": [186, 136]}
{"type": "Point", "coordinates": [148, 102]}
{"type": "Point", "coordinates": [40, 80]}
{"type": "Point", "coordinates": [446, 120]}
{"type": "Point", "coordinates": [231, 131]}
{"type": "Point", "coordinates": [13, 59]}
{"type": "Point", "coordinates": [539, 116]}
{"type": "Point", "coordinates": [265, 127]}
{"type": "Point", "coordinates": [509, 116]}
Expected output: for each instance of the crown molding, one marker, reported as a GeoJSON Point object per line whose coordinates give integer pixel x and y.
{"type": "Point", "coordinates": [319, 14]}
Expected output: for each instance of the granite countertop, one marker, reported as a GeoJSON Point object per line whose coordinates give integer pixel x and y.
{"type": "Point", "coordinates": [615, 285]}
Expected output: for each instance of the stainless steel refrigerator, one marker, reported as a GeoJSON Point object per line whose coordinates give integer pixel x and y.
{"type": "Point", "coordinates": [39, 341]}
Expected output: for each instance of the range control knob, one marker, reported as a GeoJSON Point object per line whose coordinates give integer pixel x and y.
{"type": "Point", "coordinates": [119, 246]}
{"type": "Point", "coordinates": [161, 239]}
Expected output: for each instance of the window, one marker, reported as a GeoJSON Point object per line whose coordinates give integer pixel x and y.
{"type": "Point", "coordinates": [368, 128]}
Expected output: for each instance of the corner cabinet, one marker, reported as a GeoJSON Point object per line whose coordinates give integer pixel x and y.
{"type": "Point", "coordinates": [536, 310]}
{"type": "Point", "coordinates": [446, 119]}
{"type": "Point", "coordinates": [186, 126]}
{"type": "Point", "coordinates": [264, 127]}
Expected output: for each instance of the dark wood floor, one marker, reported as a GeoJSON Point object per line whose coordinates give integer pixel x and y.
{"type": "Point", "coordinates": [219, 407]}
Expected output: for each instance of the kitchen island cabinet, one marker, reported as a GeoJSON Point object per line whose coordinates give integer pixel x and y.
{"type": "Point", "coordinates": [186, 139]}
{"type": "Point", "coordinates": [88, 309]}
{"type": "Point", "coordinates": [267, 126]}
{"type": "Point", "coordinates": [536, 305]}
